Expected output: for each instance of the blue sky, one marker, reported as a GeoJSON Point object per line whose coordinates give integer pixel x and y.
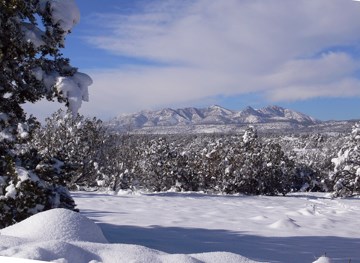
{"type": "Point", "coordinates": [150, 54]}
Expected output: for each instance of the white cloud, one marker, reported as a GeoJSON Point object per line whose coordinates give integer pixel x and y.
{"type": "Point", "coordinates": [326, 76]}
{"type": "Point", "coordinates": [207, 48]}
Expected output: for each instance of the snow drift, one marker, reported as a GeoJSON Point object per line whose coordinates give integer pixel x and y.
{"type": "Point", "coordinates": [65, 236]}
{"type": "Point", "coordinates": [57, 224]}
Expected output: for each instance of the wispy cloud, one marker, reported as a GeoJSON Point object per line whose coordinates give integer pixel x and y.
{"type": "Point", "coordinates": [199, 49]}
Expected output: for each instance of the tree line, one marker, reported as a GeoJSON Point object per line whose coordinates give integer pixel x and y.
{"type": "Point", "coordinates": [93, 158]}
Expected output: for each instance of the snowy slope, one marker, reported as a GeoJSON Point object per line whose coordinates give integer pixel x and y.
{"type": "Point", "coordinates": [180, 119]}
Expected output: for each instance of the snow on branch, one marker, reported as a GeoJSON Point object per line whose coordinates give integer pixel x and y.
{"type": "Point", "coordinates": [64, 12]}
{"type": "Point", "coordinates": [74, 89]}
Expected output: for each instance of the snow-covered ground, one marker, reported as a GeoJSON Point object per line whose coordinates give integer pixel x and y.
{"type": "Point", "coordinates": [190, 227]}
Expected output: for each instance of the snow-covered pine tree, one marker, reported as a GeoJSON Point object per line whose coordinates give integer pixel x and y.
{"type": "Point", "coordinates": [32, 68]}
{"type": "Point", "coordinates": [346, 175]}
{"type": "Point", "coordinates": [230, 178]}
{"type": "Point", "coordinates": [251, 165]}
{"type": "Point", "coordinates": [212, 164]}
{"type": "Point", "coordinates": [257, 168]}
{"type": "Point", "coordinates": [186, 171]}
{"type": "Point", "coordinates": [76, 142]}
{"type": "Point", "coordinates": [157, 164]}
{"type": "Point", "coordinates": [278, 171]}
{"type": "Point", "coordinates": [312, 154]}
{"type": "Point", "coordinates": [120, 167]}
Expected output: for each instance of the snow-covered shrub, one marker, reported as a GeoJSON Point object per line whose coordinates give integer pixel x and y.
{"type": "Point", "coordinates": [226, 163]}
{"type": "Point", "coordinates": [346, 174]}
{"type": "Point", "coordinates": [186, 173]}
{"type": "Point", "coordinates": [254, 167]}
{"type": "Point", "coordinates": [157, 165]}
{"type": "Point", "coordinates": [119, 167]}
{"type": "Point", "coordinates": [278, 171]}
{"type": "Point", "coordinates": [211, 165]}
{"type": "Point", "coordinates": [77, 142]}
{"type": "Point", "coordinates": [312, 154]}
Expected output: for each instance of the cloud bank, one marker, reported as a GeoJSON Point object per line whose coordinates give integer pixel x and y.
{"type": "Point", "coordinates": [197, 50]}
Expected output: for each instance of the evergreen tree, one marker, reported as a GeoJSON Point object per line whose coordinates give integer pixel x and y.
{"type": "Point", "coordinates": [119, 169]}
{"type": "Point", "coordinates": [346, 175]}
{"type": "Point", "coordinates": [257, 168]}
{"type": "Point", "coordinates": [31, 68]}
{"type": "Point", "coordinates": [186, 171]}
{"type": "Point", "coordinates": [212, 165]}
{"type": "Point", "coordinates": [77, 142]}
{"type": "Point", "coordinates": [157, 165]}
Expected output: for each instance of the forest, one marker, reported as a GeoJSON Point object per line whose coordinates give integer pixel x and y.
{"type": "Point", "coordinates": [88, 157]}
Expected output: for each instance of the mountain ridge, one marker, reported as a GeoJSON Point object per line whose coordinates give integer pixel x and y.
{"type": "Point", "coordinates": [214, 115]}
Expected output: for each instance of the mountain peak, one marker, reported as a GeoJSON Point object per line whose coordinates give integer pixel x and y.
{"type": "Point", "coordinates": [215, 106]}
{"type": "Point", "coordinates": [249, 108]}
{"type": "Point", "coordinates": [273, 110]}
{"type": "Point", "coordinates": [212, 115]}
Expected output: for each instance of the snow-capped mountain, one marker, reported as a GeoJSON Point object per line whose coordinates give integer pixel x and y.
{"type": "Point", "coordinates": [182, 120]}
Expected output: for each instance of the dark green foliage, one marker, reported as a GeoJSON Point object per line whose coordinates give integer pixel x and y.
{"type": "Point", "coordinates": [28, 183]}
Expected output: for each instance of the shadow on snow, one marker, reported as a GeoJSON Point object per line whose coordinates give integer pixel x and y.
{"type": "Point", "coordinates": [176, 240]}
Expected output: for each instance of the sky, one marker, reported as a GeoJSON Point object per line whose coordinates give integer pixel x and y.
{"type": "Point", "coordinates": [151, 54]}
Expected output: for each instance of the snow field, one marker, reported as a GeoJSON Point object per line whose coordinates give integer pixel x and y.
{"type": "Point", "coordinates": [296, 228]}
{"type": "Point", "coordinates": [190, 227]}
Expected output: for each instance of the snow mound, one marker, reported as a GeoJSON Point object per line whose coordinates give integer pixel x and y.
{"type": "Point", "coordinates": [57, 224]}
{"type": "Point", "coordinates": [65, 236]}
{"type": "Point", "coordinates": [323, 259]}
{"type": "Point", "coordinates": [286, 223]}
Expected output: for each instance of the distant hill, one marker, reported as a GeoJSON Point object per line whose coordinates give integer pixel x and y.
{"type": "Point", "coordinates": [218, 119]}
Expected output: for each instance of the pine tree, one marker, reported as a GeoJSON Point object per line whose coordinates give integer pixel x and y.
{"type": "Point", "coordinates": [157, 162]}
{"type": "Point", "coordinates": [346, 175]}
{"type": "Point", "coordinates": [76, 142]}
{"type": "Point", "coordinates": [257, 168]}
{"type": "Point", "coordinates": [32, 68]}
{"type": "Point", "coordinates": [119, 169]}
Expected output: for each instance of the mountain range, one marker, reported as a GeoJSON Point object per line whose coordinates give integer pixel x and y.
{"type": "Point", "coordinates": [212, 119]}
